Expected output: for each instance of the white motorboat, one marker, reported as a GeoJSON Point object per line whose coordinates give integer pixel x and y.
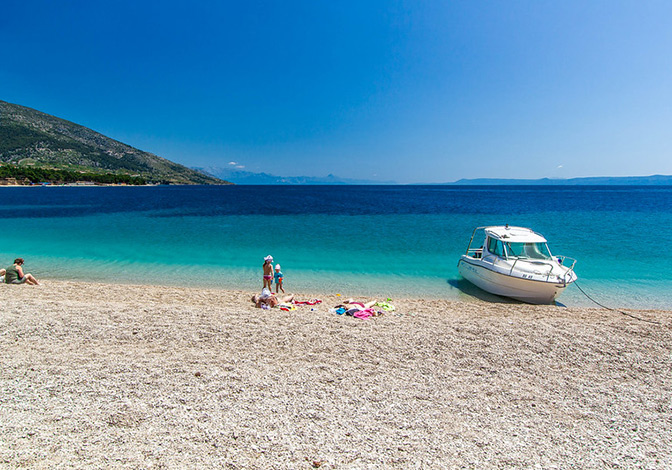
{"type": "Point", "coordinates": [516, 262]}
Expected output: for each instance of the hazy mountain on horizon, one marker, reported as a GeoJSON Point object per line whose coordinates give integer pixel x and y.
{"type": "Point", "coordinates": [653, 180]}
{"type": "Point", "coordinates": [238, 176]}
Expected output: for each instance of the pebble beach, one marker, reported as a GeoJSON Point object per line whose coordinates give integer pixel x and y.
{"type": "Point", "coordinates": [130, 376]}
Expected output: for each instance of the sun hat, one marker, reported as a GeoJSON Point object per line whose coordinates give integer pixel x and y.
{"type": "Point", "coordinates": [277, 266]}
{"type": "Point", "coordinates": [269, 257]}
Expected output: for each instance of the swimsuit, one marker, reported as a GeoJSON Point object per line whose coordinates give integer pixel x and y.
{"type": "Point", "coordinates": [278, 278]}
{"type": "Point", "coordinates": [267, 276]}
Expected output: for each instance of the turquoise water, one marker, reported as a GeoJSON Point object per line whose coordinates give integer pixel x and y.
{"type": "Point", "coordinates": [391, 241]}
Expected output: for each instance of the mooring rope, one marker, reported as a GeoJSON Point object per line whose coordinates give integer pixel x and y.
{"type": "Point", "coordinates": [614, 309]}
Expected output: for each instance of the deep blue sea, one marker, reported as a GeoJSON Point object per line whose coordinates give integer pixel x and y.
{"type": "Point", "coordinates": [353, 240]}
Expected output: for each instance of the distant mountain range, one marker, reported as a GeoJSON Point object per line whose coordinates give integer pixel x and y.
{"type": "Point", "coordinates": [33, 139]}
{"type": "Point", "coordinates": [654, 180]}
{"type": "Point", "coordinates": [238, 176]}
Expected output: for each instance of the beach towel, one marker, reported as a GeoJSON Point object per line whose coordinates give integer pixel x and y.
{"type": "Point", "coordinates": [366, 313]}
{"type": "Point", "coordinates": [308, 302]}
{"type": "Point", "coordinates": [386, 306]}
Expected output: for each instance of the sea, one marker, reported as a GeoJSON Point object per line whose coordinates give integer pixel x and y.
{"type": "Point", "coordinates": [384, 241]}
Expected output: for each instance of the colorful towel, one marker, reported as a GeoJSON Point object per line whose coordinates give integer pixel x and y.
{"type": "Point", "coordinates": [308, 302]}
{"type": "Point", "coordinates": [366, 313]}
{"type": "Point", "coordinates": [386, 306]}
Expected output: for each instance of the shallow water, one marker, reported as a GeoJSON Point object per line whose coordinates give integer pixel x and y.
{"type": "Point", "coordinates": [391, 240]}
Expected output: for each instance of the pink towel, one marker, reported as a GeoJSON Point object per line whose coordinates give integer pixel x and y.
{"type": "Point", "coordinates": [369, 312]}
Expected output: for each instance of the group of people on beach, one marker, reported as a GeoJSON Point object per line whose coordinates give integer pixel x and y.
{"type": "Point", "coordinates": [267, 298]}
{"type": "Point", "coordinates": [270, 276]}
{"type": "Point", "coordinates": [14, 274]}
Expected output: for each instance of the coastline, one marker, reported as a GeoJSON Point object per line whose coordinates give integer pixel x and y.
{"type": "Point", "coordinates": [135, 375]}
{"type": "Point", "coordinates": [85, 185]}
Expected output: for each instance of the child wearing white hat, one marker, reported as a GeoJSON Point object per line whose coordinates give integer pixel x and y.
{"type": "Point", "coordinates": [278, 279]}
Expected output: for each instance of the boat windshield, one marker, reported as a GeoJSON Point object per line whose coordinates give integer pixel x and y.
{"type": "Point", "coordinates": [528, 250]}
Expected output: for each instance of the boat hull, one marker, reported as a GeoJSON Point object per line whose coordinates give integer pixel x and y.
{"type": "Point", "coordinates": [525, 290]}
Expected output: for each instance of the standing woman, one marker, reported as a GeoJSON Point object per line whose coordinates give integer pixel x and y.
{"type": "Point", "coordinates": [14, 274]}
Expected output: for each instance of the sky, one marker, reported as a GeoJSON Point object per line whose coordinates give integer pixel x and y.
{"type": "Point", "coordinates": [405, 91]}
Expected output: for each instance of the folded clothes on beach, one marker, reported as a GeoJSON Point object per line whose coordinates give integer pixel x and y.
{"type": "Point", "coordinates": [308, 302]}
{"type": "Point", "coordinates": [385, 306]}
{"type": "Point", "coordinates": [361, 310]}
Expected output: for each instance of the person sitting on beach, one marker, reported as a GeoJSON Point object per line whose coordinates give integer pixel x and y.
{"type": "Point", "coordinates": [268, 299]}
{"type": "Point", "coordinates": [14, 274]}
{"type": "Point", "coordinates": [268, 271]}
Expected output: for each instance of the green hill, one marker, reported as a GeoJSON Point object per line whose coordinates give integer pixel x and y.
{"type": "Point", "coordinates": [32, 140]}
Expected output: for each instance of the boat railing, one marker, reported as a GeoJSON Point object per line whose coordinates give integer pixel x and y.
{"type": "Point", "coordinates": [469, 248]}
{"type": "Point", "coordinates": [560, 259]}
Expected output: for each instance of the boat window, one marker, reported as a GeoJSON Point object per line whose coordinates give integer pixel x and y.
{"type": "Point", "coordinates": [496, 247]}
{"type": "Point", "coordinates": [528, 250]}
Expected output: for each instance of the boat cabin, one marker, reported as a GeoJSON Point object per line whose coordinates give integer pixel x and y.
{"type": "Point", "coordinates": [511, 243]}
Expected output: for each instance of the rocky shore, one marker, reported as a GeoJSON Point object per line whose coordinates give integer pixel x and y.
{"type": "Point", "coordinates": [117, 376]}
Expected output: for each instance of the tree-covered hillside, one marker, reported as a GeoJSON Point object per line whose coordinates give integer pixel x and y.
{"type": "Point", "coordinates": [30, 138]}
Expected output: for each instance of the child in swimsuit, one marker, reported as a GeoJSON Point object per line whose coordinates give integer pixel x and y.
{"type": "Point", "coordinates": [268, 271]}
{"type": "Point", "coordinates": [278, 279]}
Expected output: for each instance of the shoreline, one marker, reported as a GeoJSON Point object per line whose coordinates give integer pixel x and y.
{"type": "Point", "coordinates": [468, 294]}
{"type": "Point", "coordinates": [111, 375]}
{"type": "Point", "coordinates": [485, 300]}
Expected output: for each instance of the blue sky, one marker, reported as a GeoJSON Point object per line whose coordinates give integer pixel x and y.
{"type": "Point", "coordinates": [413, 91]}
